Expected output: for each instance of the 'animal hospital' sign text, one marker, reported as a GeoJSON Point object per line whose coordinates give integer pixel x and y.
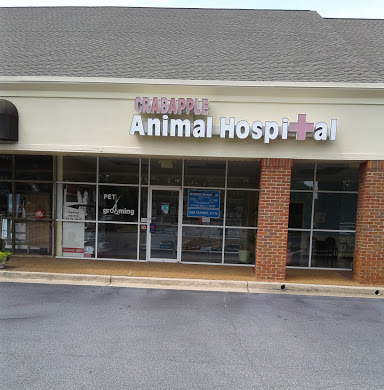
{"type": "Point", "coordinates": [166, 126]}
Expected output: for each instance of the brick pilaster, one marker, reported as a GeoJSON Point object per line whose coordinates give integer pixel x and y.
{"type": "Point", "coordinates": [272, 223]}
{"type": "Point", "coordinates": [368, 262]}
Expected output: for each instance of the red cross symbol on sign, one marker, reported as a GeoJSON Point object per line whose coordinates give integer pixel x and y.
{"type": "Point", "coordinates": [301, 127]}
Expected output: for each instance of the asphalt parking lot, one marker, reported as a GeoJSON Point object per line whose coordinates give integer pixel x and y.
{"type": "Point", "coordinates": [88, 337]}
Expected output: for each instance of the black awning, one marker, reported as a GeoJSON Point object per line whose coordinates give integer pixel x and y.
{"type": "Point", "coordinates": [9, 122]}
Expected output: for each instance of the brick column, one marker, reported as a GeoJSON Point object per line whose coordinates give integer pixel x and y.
{"type": "Point", "coordinates": [272, 223]}
{"type": "Point", "coordinates": [368, 262]}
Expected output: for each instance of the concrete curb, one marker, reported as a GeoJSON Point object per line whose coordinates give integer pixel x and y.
{"type": "Point", "coordinates": [54, 277]}
{"type": "Point", "coordinates": [192, 284]}
{"type": "Point", "coordinates": [201, 284]}
{"type": "Point", "coordinates": [320, 289]}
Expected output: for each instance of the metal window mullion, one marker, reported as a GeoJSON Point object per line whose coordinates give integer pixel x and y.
{"type": "Point", "coordinates": [97, 209]}
{"type": "Point", "coordinates": [76, 182]}
{"type": "Point", "coordinates": [241, 227]}
{"type": "Point", "coordinates": [336, 192]}
{"type": "Point", "coordinates": [149, 213]}
{"type": "Point", "coordinates": [149, 220]}
{"type": "Point", "coordinates": [224, 211]}
{"type": "Point", "coordinates": [205, 188]}
{"type": "Point", "coordinates": [149, 172]}
{"type": "Point", "coordinates": [181, 209]}
{"type": "Point", "coordinates": [76, 220]}
{"type": "Point", "coordinates": [179, 225]}
{"type": "Point", "coordinates": [218, 264]}
{"type": "Point", "coordinates": [320, 268]}
{"type": "Point", "coordinates": [30, 219]}
{"type": "Point", "coordinates": [33, 181]}
{"type": "Point", "coordinates": [117, 185]}
{"type": "Point", "coordinates": [333, 231]}
{"type": "Point", "coordinates": [202, 226]}
{"type": "Point", "coordinates": [114, 223]}
{"type": "Point", "coordinates": [242, 189]}
{"type": "Point", "coordinates": [53, 224]}
{"type": "Point", "coordinates": [13, 214]}
{"type": "Point", "coordinates": [139, 215]}
{"type": "Point", "coordinates": [312, 217]}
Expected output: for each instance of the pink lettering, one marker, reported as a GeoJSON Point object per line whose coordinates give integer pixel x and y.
{"type": "Point", "coordinates": [172, 106]}
{"type": "Point", "coordinates": [180, 105]}
{"type": "Point", "coordinates": [197, 109]}
{"type": "Point", "coordinates": [164, 105]}
{"type": "Point", "coordinates": [204, 106]}
{"type": "Point", "coordinates": [155, 106]}
{"type": "Point", "coordinates": [146, 108]}
{"type": "Point", "coordinates": [138, 104]}
{"type": "Point", "coordinates": [189, 105]}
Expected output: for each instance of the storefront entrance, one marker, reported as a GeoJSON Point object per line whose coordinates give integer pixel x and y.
{"type": "Point", "coordinates": [164, 218]}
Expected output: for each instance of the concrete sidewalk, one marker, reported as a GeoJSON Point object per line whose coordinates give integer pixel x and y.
{"type": "Point", "coordinates": [180, 276]}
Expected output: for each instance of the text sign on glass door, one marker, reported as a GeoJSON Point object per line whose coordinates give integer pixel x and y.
{"type": "Point", "coordinates": [203, 203]}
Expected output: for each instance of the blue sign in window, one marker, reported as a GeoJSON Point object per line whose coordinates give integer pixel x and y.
{"type": "Point", "coordinates": [203, 203]}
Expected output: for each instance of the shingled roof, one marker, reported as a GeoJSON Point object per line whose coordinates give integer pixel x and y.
{"type": "Point", "coordinates": [366, 37]}
{"type": "Point", "coordinates": [189, 44]}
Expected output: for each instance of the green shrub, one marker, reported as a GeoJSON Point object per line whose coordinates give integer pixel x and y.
{"type": "Point", "coordinates": [8, 253]}
{"type": "Point", "coordinates": [4, 254]}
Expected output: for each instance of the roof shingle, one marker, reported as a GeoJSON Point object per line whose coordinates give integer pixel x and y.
{"type": "Point", "coordinates": [193, 44]}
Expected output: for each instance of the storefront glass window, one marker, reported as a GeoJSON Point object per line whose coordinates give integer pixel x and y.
{"type": "Point", "coordinates": [144, 171]}
{"type": "Point", "coordinates": [82, 169]}
{"type": "Point", "coordinates": [26, 203]}
{"type": "Point", "coordinates": [166, 172]}
{"type": "Point", "coordinates": [78, 239]}
{"type": "Point", "coordinates": [335, 211]}
{"type": "Point", "coordinates": [143, 242]}
{"type": "Point", "coordinates": [5, 199]}
{"type": "Point", "coordinates": [78, 202]}
{"type": "Point", "coordinates": [33, 238]}
{"type": "Point", "coordinates": [243, 174]}
{"type": "Point", "coordinates": [201, 244]}
{"type": "Point", "coordinates": [240, 246]}
{"type": "Point", "coordinates": [332, 250]}
{"type": "Point", "coordinates": [5, 167]}
{"type": "Point", "coordinates": [300, 210]}
{"type": "Point", "coordinates": [33, 201]}
{"type": "Point", "coordinates": [117, 241]}
{"type": "Point", "coordinates": [298, 249]}
{"type": "Point", "coordinates": [119, 170]}
{"type": "Point", "coordinates": [322, 217]}
{"type": "Point", "coordinates": [302, 176]}
{"type": "Point", "coordinates": [118, 203]}
{"type": "Point", "coordinates": [338, 177]}
{"type": "Point", "coordinates": [34, 167]}
{"type": "Point", "coordinates": [199, 173]}
{"type": "Point", "coordinates": [241, 208]}
{"type": "Point", "coordinates": [107, 208]}
{"type": "Point", "coordinates": [6, 233]}
{"type": "Point", "coordinates": [144, 204]}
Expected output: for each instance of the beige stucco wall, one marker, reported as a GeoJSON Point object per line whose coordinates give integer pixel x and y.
{"type": "Point", "coordinates": [96, 117]}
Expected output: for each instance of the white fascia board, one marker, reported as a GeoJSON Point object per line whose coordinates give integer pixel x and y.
{"type": "Point", "coordinates": [218, 83]}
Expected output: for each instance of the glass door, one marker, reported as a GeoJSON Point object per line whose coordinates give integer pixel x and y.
{"type": "Point", "coordinates": [164, 224]}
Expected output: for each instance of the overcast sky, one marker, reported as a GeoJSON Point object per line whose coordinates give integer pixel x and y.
{"type": "Point", "coordinates": [327, 8]}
